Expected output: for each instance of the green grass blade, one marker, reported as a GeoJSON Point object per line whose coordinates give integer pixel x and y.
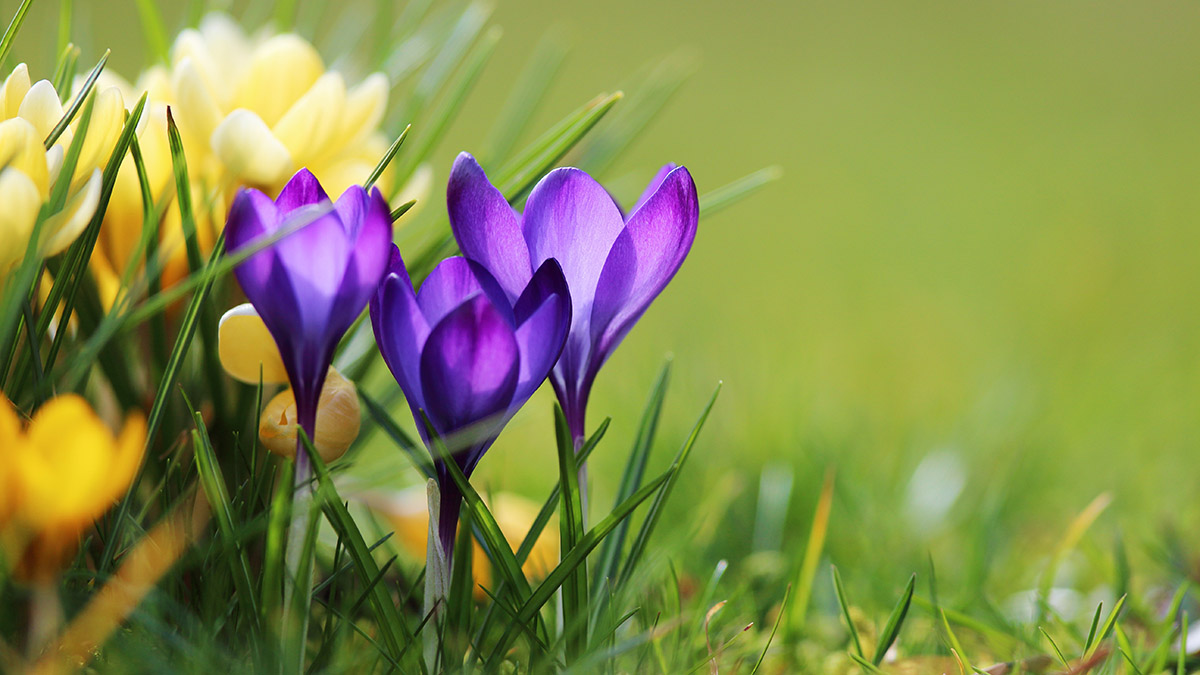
{"type": "Point", "coordinates": [1054, 646]}
{"type": "Point", "coordinates": [64, 72]}
{"type": "Point", "coordinates": [280, 517]}
{"type": "Point", "coordinates": [812, 554]}
{"type": "Point", "coordinates": [1181, 662]}
{"type": "Point", "coordinates": [1107, 627]}
{"type": "Point", "coordinates": [631, 479]}
{"type": "Point", "coordinates": [415, 453]}
{"type": "Point", "coordinates": [387, 159]}
{"type": "Point", "coordinates": [866, 665]}
{"type": "Point", "coordinates": [656, 508]}
{"type": "Point", "coordinates": [774, 629]}
{"type": "Point", "coordinates": [454, 46]}
{"type": "Point", "coordinates": [844, 604]}
{"type": "Point", "coordinates": [14, 27]}
{"type": "Point", "coordinates": [526, 96]}
{"type": "Point", "coordinates": [575, 593]}
{"type": "Point", "coordinates": [723, 197]}
{"type": "Point", "coordinates": [891, 629]}
{"type": "Point", "coordinates": [76, 103]}
{"type": "Point", "coordinates": [154, 31]}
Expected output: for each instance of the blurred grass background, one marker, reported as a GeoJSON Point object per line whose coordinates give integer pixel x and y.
{"type": "Point", "coordinates": [981, 260]}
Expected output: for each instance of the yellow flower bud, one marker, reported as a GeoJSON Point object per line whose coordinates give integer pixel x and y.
{"type": "Point", "coordinates": [246, 348]}
{"type": "Point", "coordinates": [338, 420]}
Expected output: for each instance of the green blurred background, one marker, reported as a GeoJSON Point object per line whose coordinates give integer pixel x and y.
{"type": "Point", "coordinates": [981, 260]}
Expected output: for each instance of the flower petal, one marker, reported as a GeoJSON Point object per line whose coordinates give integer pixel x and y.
{"type": "Point", "coordinates": [469, 369]}
{"type": "Point", "coordinates": [41, 107]}
{"type": "Point", "coordinates": [643, 259]}
{"type": "Point", "coordinates": [280, 71]}
{"type": "Point", "coordinates": [570, 217]}
{"type": "Point", "coordinates": [252, 215]}
{"type": "Point", "coordinates": [250, 152]}
{"type": "Point", "coordinates": [452, 283]}
{"type": "Point", "coordinates": [543, 318]}
{"type": "Point", "coordinates": [487, 229]}
{"type": "Point", "coordinates": [63, 227]}
{"type": "Point", "coordinates": [108, 117]}
{"type": "Point", "coordinates": [21, 149]}
{"type": "Point", "coordinates": [365, 105]}
{"type": "Point", "coordinates": [650, 189]}
{"type": "Point", "coordinates": [368, 227]}
{"type": "Point", "coordinates": [313, 120]}
{"type": "Point", "coordinates": [196, 112]}
{"type": "Point", "coordinates": [244, 345]}
{"type": "Point", "coordinates": [400, 329]}
{"type": "Point", "coordinates": [21, 202]}
{"type": "Point", "coordinates": [16, 85]}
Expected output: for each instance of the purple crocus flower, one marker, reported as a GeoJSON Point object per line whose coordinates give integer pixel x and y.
{"type": "Point", "coordinates": [310, 285]}
{"type": "Point", "coordinates": [467, 355]}
{"type": "Point", "coordinates": [615, 263]}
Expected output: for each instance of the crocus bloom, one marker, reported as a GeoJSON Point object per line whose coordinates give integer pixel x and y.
{"type": "Point", "coordinates": [312, 284]}
{"type": "Point", "coordinates": [251, 110]}
{"type": "Point", "coordinates": [248, 353]}
{"type": "Point", "coordinates": [28, 113]}
{"type": "Point", "coordinates": [467, 356]}
{"type": "Point", "coordinates": [58, 476]}
{"type": "Point", "coordinates": [615, 264]}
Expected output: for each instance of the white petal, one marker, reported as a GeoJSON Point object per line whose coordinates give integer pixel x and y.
{"type": "Point", "coordinates": [16, 85]}
{"type": "Point", "coordinates": [249, 151]}
{"type": "Point", "coordinates": [41, 107]}
{"type": "Point", "coordinates": [21, 203]}
{"type": "Point", "coordinates": [63, 227]}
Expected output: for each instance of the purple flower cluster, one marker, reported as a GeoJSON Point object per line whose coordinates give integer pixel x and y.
{"type": "Point", "coordinates": [550, 292]}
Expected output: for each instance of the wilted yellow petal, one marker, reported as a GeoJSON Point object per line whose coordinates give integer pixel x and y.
{"type": "Point", "coordinates": [21, 202]}
{"type": "Point", "coordinates": [16, 85]}
{"type": "Point", "coordinates": [338, 420]}
{"type": "Point", "coordinates": [63, 227]}
{"type": "Point", "coordinates": [42, 107]}
{"type": "Point", "coordinates": [314, 120]}
{"type": "Point", "coordinates": [281, 70]}
{"type": "Point", "coordinates": [249, 150]}
{"type": "Point", "coordinates": [244, 345]}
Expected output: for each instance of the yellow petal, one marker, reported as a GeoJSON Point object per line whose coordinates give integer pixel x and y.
{"type": "Point", "coordinates": [63, 473]}
{"type": "Point", "coordinates": [21, 202]}
{"type": "Point", "coordinates": [21, 148]}
{"type": "Point", "coordinates": [338, 420]}
{"type": "Point", "coordinates": [249, 151]}
{"type": "Point", "coordinates": [226, 41]}
{"type": "Point", "coordinates": [195, 110]}
{"type": "Point", "coordinates": [16, 85]}
{"type": "Point", "coordinates": [314, 120]}
{"type": "Point", "coordinates": [280, 71]}
{"type": "Point", "coordinates": [108, 117]}
{"type": "Point", "coordinates": [244, 345]}
{"type": "Point", "coordinates": [10, 436]}
{"type": "Point", "coordinates": [63, 227]}
{"type": "Point", "coordinates": [418, 187]}
{"type": "Point", "coordinates": [130, 446]}
{"type": "Point", "coordinates": [365, 105]}
{"type": "Point", "coordinates": [190, 45]}
{"type": "Point", "coordinates": [42, 107]}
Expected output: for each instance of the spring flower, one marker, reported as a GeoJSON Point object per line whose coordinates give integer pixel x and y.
{"type": "Point", "coordinates": [61, 473]}
{"type": "Point", "coordinates": [312, 284]}
{"type": "Point", "coordinates": [246, 350]}
{"type": "Point", "coordinates": [28, 113]}
{"type": "Point", "coordinates": [251, 110]}
{"type": "Point", "coordinates": [467, 357]}
{"type": "Point", "coordinates": [615, 264]}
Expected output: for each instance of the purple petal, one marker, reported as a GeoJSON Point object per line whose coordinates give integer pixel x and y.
{"type": "Point", "coordinates": [544, 316]}
{"type": "Point", "coordinates": [316, 258]}
{"type": "Point", "coordinates": [302, 190]}
{"type": "Point", "coordinates": [469, 368]}
{"type": "Point", "coordinates": [570, 217]}
{"type": "Point", "coordinates": [650, 189]}
{"type": "Point", "coordinates": [452, 283]}
{"type": "Point", "coordinates": [368, 227]}
{"type": "Point", "coordinates": [400, 329]}
{"type": "Point", "coordinates": [487, 229]}
{"type": "Point", "coordinates": [251, 216]}
{"type": "Point", "coordinates": [643, 259]}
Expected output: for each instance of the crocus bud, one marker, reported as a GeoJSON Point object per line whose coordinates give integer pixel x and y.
{"type": "Point", "coordinates": [338, 419]}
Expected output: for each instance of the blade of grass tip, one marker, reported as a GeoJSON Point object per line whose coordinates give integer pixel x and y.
{"type": "Point", "coordinates": [76, 103]}
{"type": "Point", "coordinates": [387, 158]}
{"type": "Point", "coordinates": [631, 479]}
{"type": "Point", "coordinates": [64, 72]}
{"type": "Point", "coordinates": [519, 175]}
{"type": "Point", "coordinates": [153, 31]}
{"type": "Point", "coordinates": [526, 96]}
{"type": "Point", "coordinates": [840, 591]}
{"type": "Point", "coordinates": [1087, 643]}
{"type": "Point", "coordinates": [723, 197]}
{"type": "Point", "coordinates": [434, 128]}
{"type": "Point", "coordinates": [656, 507]}
{"type": "Point", "coordinates": [865, 664]}
{"type": "Point", "coordinates": [402, 209]}
{"type": "Point", "coordinates": [955, 646]}
{"type": "Point", "coordinates": [14, 26]}
{"type": "Point", "coordinates": [812, 553]}
{"type": "Point", "coordinates": [396, 635]}
{"type": "Point", "coordinates": [415, 453]}
{"type": "Point", "coordinates": [545, 591]}
{"type": "Point", "coordinates": [1054, 646]}
{"type": "Point", "coordinates": [1070, 540]}
{"type": "Point", "coordinates": [895, 622]}
{"type": "Point", "coordinates": [575, 593]}
{"type": "Point", "coordinates": [213, 483]}
{"type": "Point", "coordinates": [774, 628]}
{"type": "Point", "coordinates": [1132, 665]}
{"type": "Point", "coordinates": [1108, 625]}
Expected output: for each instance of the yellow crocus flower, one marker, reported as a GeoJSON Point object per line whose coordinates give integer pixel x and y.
{"type": "Point", "coordinates": [28, 113]}
{"type": "Point", "coordinates": [61, 473]}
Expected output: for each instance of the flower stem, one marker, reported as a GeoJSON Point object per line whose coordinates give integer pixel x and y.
{"type": "Point", "coordinates": [438, 557]}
